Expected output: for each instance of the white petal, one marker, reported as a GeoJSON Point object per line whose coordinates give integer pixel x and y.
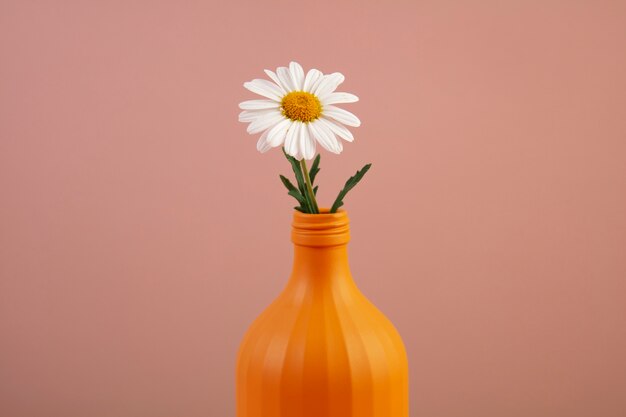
{"type": "Point", "coordinates": [324, 136]}
{"type": "Point", "coordinates": [339, 145]}
{"type": "Point", "coordinates": [263, 144]}
{"type": "Point", "coordinates": [252, 115]}
{"type": "Point", "coordinates": [264, 88]}
{"type": "Point", "coordinates": [338, 129]}
{"type": "Point", "coordinates": [264, 122]}
{"type": "Point", "coordinates": [334, 98]}
{"type": "Point", "coordinates": [285, 78]}
{"type": "Point", "coordinates": [259, 104]}
{"type": "Point", "coordinates": [274, 78]}
{"type": "Point", "coordinates": [329, 84]}
{"type": "Point", "coordinates": [307, 143]}
{"type": "Point", "coordinates": [311, 78]}
{"type": "Point", "coordinates": [277, 133]}
{"type": "Point", "coordinates": [317, 83]}
{"type": "Point", "coordinates": [297, 74]}
{"type": "Point", "coordinates": [342, 116]}
{"type": "Point", "coordinates": [291, 140]}
{"type": "Point", "coordinates": [336, 142]}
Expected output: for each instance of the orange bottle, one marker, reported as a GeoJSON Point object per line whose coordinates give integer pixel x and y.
{"type": "Point", "coordinates": [322, 349]}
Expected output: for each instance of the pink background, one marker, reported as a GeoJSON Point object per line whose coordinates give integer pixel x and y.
{"type": "Point", "coordinates": [141, 232]}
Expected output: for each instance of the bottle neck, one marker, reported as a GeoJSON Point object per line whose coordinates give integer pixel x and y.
{"type": "Point", "coordinates": [320, 246]}
{"type": "Point", "coordinates": [321, 263]}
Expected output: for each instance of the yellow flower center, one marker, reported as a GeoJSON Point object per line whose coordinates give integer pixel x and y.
{"type": "Point", "coordinates": [301, 106]}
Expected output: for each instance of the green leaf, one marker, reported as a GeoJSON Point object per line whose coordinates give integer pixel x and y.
{"type": "Point", "coordinates": [287, 183]}
{"type": "Point", "coordinates": [293, 191]}
{"type": "Point", "coordinates": [352, 181]}
{"type": "Point", "coordinates": [315, 190]}
{"type": "Point", "coordinates": [315, 168]}
{"type": "Point", "coordinates": [295, 166]}
{"type": "Point", "coordinates": [296, 194]}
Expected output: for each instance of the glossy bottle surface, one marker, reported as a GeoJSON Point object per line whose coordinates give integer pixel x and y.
{"type": "Point", "coordinates": [322, 349]}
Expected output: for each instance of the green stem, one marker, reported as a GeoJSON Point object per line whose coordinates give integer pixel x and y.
{"type": "Point", "coordinates": [309, 187]}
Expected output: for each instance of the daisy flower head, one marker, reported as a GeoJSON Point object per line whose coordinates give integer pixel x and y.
{"type": "Point", "coordinates": [298, 111]}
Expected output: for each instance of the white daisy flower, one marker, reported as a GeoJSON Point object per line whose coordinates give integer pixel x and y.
{"type": "Point", "coordinates": [299, 111]}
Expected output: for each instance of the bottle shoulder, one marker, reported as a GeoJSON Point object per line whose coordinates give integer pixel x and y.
{"type": "Point", "coordinates": [320, 315]}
